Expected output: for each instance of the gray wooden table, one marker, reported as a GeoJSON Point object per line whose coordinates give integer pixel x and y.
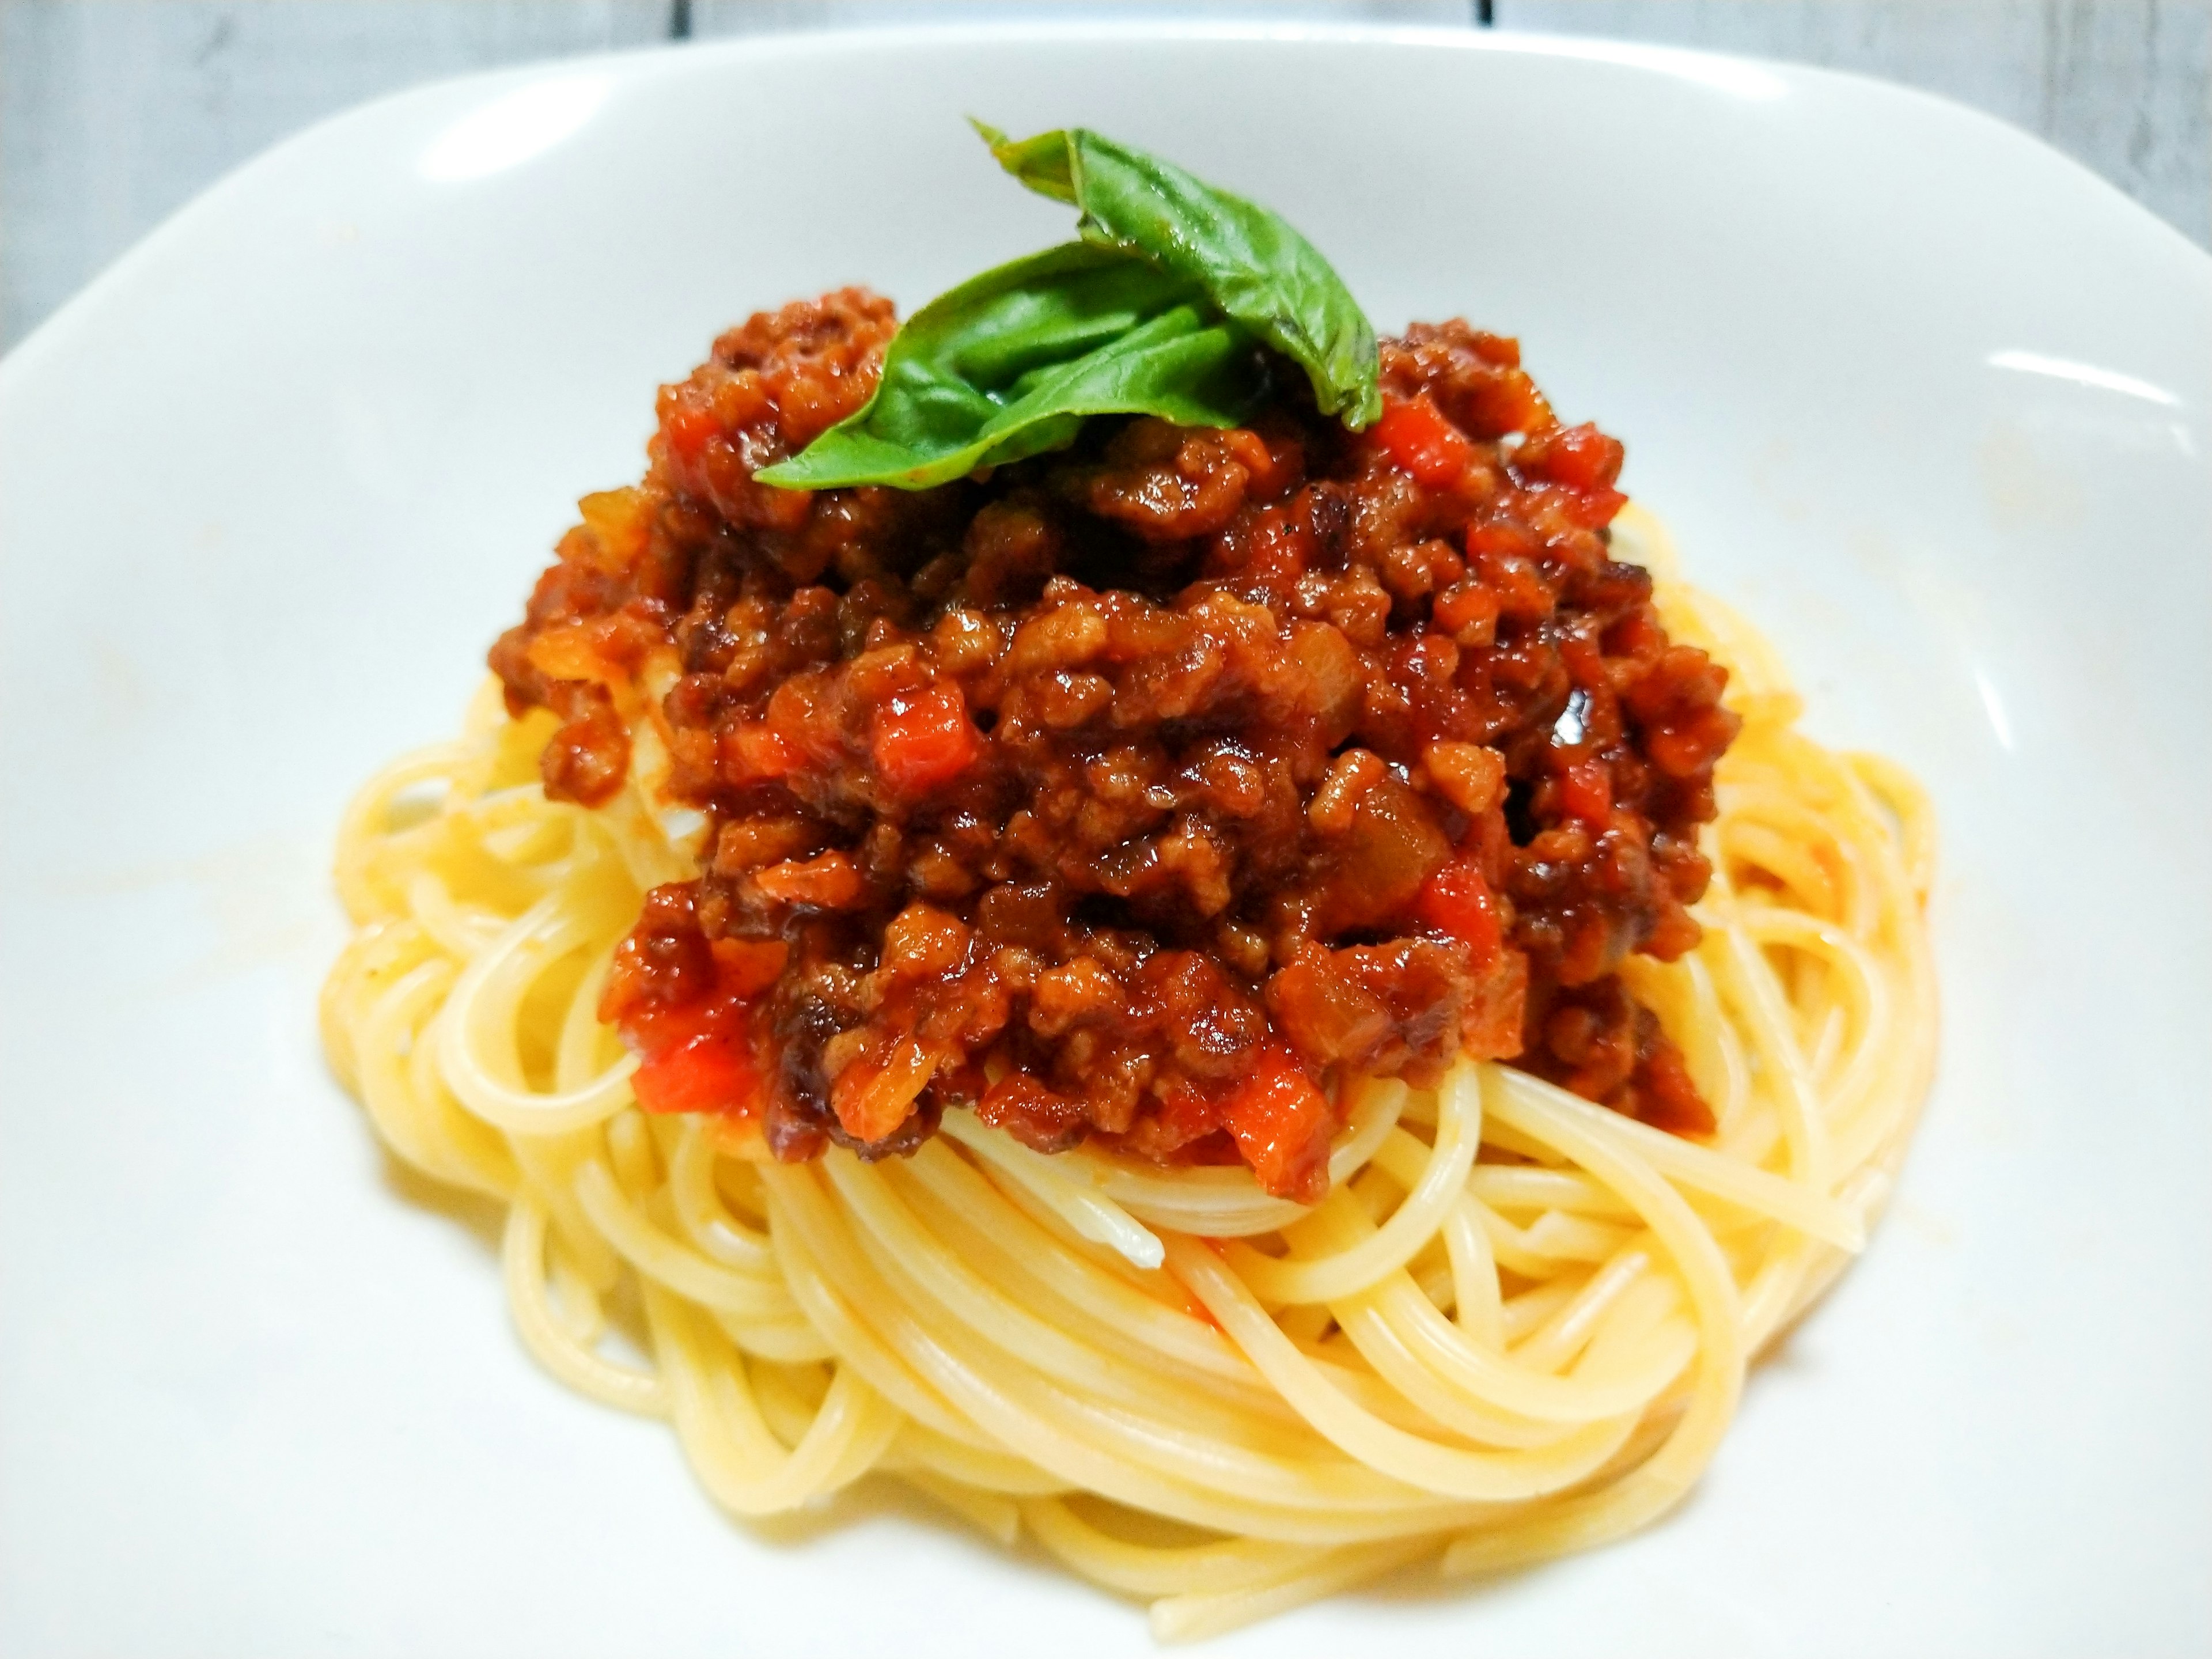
{"type": "Point", "coordinates": [114, 112]}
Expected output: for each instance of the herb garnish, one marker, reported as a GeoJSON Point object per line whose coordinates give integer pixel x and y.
{"type": "Point", "coordinates": [1156, 311]}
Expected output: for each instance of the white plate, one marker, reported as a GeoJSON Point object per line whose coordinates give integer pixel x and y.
{"type": "Point", "coordinates": [1927, 400]}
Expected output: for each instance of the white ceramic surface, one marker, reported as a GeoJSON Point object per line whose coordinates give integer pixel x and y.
{"type": "Point", "coordinates": [1926, 399]}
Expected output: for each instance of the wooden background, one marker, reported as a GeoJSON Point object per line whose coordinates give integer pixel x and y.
{"type": "Point", "coordinates": [114, 112]}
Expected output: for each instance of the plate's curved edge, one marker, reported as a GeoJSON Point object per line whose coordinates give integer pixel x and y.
{"type": "Point", "coordinates": [1678, 59]}
{"type": "Point", "coordinates": [24, 355]}
{"type": "Point", "coordinates": [525, 76]}
{"type": "Point", "coordinates": [1721, 72]}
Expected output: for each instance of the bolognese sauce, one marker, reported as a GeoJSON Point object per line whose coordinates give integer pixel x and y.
{"type": "Point", "coordinates": [1141, 790]}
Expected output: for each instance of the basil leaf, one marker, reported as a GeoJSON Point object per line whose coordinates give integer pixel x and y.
{"type": "Point", "coordinates": [1250, 262]}
{"type": "Point", "coordinates": [1009, 364]}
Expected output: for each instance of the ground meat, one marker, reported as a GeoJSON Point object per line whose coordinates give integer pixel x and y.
{"type": "Point", "coordinates": [1138, 791]}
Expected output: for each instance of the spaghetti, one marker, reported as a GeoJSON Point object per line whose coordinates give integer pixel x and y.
{"type": "Point", "coordinates": [1516, 1325]}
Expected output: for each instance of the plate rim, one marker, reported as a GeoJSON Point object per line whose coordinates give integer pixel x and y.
{"type": "Point", "coordinates": [1712, 69]}
{"type": "Point", "coordinates": [111, 286]}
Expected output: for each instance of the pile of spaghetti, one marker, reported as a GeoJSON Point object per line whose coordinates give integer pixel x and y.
{"type": "Point", "coordinates": [1245, 984]}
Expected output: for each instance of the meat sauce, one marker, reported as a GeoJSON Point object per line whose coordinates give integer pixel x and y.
{"type": "Point", "coordinates": [1141, 790]}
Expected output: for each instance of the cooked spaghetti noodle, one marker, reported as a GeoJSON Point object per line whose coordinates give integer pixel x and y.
{"type": "Point", "coordinates": [1517, 1325]}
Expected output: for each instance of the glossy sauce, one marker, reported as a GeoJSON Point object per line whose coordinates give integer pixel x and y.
{"type": "Point", "coordinates": [1143, 790]}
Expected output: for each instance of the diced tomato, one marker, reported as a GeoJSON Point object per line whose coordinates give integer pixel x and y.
{"type": "Point", "coordinates": [700, 1063]}
{"type": "Point", "coordinates": [1586, 791]}
{"type": "Point", "coordinates": [1427, 445]}
{"type": "Point", "coordinates": [1457, 902]}
{"type": "Point", "coordinates": [1580, 456]}
{"type": "Point", "coordinates": [1282, 1121]}
{"type": "Point", "coordinates": [924, 738]}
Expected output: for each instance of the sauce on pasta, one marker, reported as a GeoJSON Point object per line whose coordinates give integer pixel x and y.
{"type": "Point", "coordinates": [1141, 791]}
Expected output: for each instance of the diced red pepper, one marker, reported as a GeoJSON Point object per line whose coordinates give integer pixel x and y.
{"type": "Point", "coordinates": [697, 1060]}
{"type": "Point", "coordinates": [1457, 902]}
{"type": "Point", "coordinates": [1427, 445]}
{"type": "Point", "coordinates": [924, 738]}
{"type": "Point", "coordinates": [1281, 1121]}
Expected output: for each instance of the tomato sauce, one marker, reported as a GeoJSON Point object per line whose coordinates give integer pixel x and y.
{"type": "Point", "coordinates": [1141, 791]}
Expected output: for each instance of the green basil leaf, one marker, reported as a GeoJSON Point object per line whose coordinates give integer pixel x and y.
{"type": "Point", "coordinates": [1008, 365]}
{"type": "Point", "coordinates": [1250, 262]}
